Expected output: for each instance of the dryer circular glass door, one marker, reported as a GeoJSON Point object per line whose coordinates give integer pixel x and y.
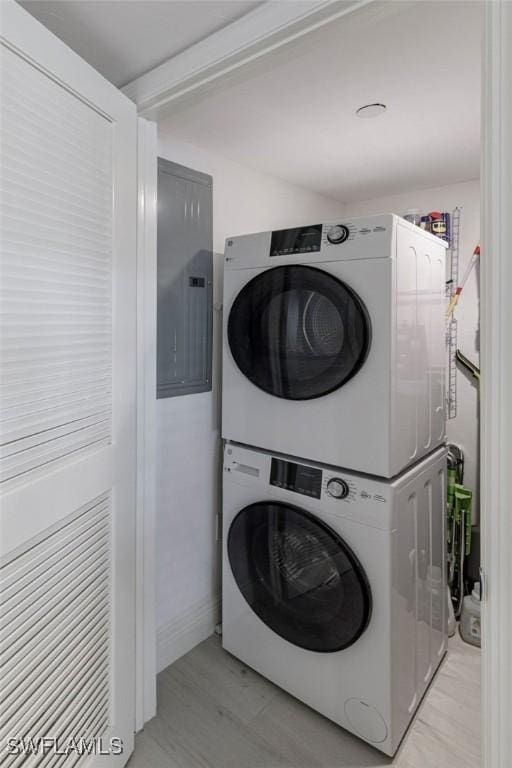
{"type": "Point", "coordinates": [299, 576]}
{"type": "Point", "coordinates": [298, 332]}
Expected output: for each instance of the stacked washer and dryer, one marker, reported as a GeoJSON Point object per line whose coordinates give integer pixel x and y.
{"type": "Point", "coordinates": [334, 583]}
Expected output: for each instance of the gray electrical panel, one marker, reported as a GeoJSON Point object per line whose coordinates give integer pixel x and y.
{"type": "Point", "coordinates": [185, 277]}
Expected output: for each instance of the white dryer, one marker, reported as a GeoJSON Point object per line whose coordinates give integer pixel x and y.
{"type": "Point", "coordinates": [334, 585]}
{"type": "Point", "coordinates": [334, 343]}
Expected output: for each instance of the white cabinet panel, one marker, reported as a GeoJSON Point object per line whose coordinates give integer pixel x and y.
{"type": "Point", "coordinates": [56, 272]}
{"type": "Point", "coordinates": [68, 199]}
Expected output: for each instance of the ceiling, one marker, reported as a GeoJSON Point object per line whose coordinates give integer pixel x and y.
{"type": "Point", "coordinates": [123, 39]}
{"type": "Point", "coordinates": [292, 113]}
{"type": "Point", "coordinates": [296, 119]}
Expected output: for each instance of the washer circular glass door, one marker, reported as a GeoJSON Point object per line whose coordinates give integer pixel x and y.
{"type": "Point", "coordinates": [298, 332]}
{"type": "Point", "coordinates": [299, 576]}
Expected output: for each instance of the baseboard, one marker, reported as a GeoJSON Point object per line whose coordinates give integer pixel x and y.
{"type": "Point", "coordinates": [186, 630]}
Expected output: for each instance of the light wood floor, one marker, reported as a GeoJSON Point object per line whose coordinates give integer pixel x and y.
{"type": "Point", "coordinates": [213, 712]}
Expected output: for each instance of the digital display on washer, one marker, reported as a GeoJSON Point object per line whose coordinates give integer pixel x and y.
{"type": "Point", "coordinates": [296, 477]}
{"type": "Point", "coordinates": [300, 240]}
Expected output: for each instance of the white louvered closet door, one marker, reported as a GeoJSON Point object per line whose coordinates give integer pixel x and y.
{"type": "Point", "coordinates": [67, 404]}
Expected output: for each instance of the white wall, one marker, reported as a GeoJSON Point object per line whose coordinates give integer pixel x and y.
{"type": "Point", "coordinates": [188, 428]}
{"type": "Point", "coordinates": [464, 429]}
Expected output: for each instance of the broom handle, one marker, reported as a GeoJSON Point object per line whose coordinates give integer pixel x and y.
{"type": "Point", "coordinates": [455, 298]}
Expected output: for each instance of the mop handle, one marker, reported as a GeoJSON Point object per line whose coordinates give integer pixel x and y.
{"type": "Point", "coordinates": [455, 298]}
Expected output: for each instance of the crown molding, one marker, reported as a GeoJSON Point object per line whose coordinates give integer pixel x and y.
{"type": "Point", "coordinates": [265, 29]}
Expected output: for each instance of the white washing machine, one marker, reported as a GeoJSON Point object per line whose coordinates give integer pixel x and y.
{"type": "Point", "coordinates": [334, 343]}
{"type": "Point", "coordinates": [334, 585]}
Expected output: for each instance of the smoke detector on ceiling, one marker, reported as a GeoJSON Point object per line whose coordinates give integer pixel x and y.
{"type": "Point", "coordinates": [371, 110]}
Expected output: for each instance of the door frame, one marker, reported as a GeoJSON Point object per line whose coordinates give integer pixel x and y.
{"type": "Point", "coordinates": [145, 575]}
{"type": "Point", "coordinates": [496, 386]}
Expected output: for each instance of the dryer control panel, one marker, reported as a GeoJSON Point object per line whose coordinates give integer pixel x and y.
{"type": "Point", "coordinates": [310, 239]}
{"type": "Point", "coordinates": [284, 242]}
{"type": "Point", "coordinates": [340, 239]}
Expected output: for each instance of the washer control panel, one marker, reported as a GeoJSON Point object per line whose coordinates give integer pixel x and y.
{"type": "Point", "coordinates": [319, 484]}
{"type": "Point", "coordinates": [338, 488]}
{"type": "Point", "coordinates": [299, 478]}
{"type": "Point", "coordinates": [351, 490]}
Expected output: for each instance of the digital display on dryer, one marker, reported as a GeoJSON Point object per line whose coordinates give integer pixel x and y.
{"type": "Point", "coordinates": [296, 477]}
{"type": "Point", "coordinates": [285, 242]}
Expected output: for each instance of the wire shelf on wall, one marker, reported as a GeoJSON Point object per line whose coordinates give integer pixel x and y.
{"type": "Point", "coordinates": [451, 325]}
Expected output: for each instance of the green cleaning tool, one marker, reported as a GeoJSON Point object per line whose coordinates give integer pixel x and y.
{"type": "Point", "coordinates": [461, 541]}
{"type": "Point", "coordinates": [458, 525]}
{"type": "Point", "coordinates": [463, 498]}
{"type": "Point", "coordinates": [450, 501]}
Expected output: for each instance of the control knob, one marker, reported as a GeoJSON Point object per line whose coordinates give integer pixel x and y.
{"type": "Point", "coordinates": [337, 488]}
{"type": "Point", "coordinates": [338, 234]}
